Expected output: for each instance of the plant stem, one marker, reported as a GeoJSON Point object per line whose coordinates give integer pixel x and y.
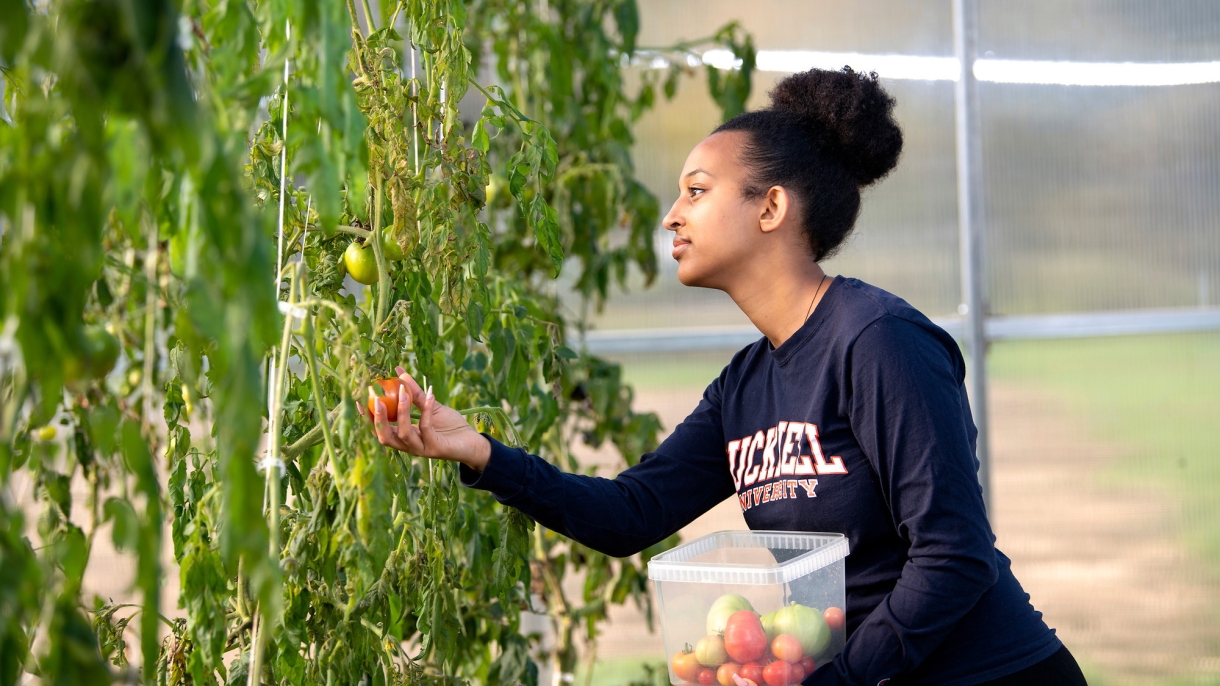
{"type": "Point", "coordinates": [311, 359]}
{"type": "Point", "coordinates": [368, 17]}
{"type": "Point", "coordinates": [354, 230]}
{"type": "Point", "coordinates": [272, 465]}
{"type": "Point", "coordinates": [351, 10]}
{"type": "Point", "coordinates": [150, 327]}
{"type": "Point", "coordinates": [312, 437]}
{"type": "Point", "coordinates": [383, 270]}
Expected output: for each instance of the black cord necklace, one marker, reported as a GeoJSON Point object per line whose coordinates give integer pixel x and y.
{"type": "Point", "coordinates": [815, 296]}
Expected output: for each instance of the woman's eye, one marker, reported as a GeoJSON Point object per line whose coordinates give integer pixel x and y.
{"type": "Point", "coordinates": [695, 191]}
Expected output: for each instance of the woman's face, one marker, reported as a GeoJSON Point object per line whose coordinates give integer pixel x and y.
{"type": "Point", "coordinates": [714, 227]}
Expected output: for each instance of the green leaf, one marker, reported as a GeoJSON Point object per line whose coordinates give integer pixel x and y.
{"type": "Point", "coordinates": [479, 138]}
{"type": "Point", "coordinates": [125, 532]}
{"type": "Point", "coordinates": [627, 19]}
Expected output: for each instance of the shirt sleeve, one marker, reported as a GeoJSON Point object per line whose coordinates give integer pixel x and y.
{"type": "Point", "coordinates": [909, 411]}
{"type": "Point", "coordinates": [683, 478]}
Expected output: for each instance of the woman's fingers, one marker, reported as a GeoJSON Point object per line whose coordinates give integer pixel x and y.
{"type": "Point", "coordinates": [417, 439]}
{"type": "Point", "coordinates": [416, 391]}
{"type": "Point", "coordinates": [381, 425]}
{"type": "Point", "coordinates": [407, 432]}
{"type": "Point", "coordinates": [426, 432]}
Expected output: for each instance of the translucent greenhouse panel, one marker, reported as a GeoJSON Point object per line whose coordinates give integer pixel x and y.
{"type": "Point", "coordinates": [1106, 495]}
{"type": "Point", "coordinates": [1101, 198]}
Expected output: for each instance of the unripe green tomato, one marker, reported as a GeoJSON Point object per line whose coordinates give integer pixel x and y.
{"type": "Point", "coordinates": [361, 263]}
{"type": "Point", "coordinates": [709, 651]}
{"type": "Point", "coordinates": [101, 351]}
{"type": "Point", "coordinates": [495, 185]}
{"type": "Point", "coordinates": [45, 433]}
{"type": "Point", "coordinates": [390, 247]}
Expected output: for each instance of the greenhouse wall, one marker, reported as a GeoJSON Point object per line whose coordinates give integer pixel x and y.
{"type": "Point", "coordinates": [1100, 225]}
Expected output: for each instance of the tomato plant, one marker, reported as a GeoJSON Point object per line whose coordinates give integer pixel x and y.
{"type": "Point", "coordinates": [189, 177]}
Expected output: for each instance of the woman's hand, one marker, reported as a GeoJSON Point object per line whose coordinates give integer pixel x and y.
{"type": "Point", "coordinates": [442, 432]}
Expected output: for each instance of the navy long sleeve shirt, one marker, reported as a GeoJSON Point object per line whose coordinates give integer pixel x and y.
{"type": "Point", "coordinates": [857, 424]}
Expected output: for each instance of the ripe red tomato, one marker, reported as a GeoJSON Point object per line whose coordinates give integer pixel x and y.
{"type": "Point", "coordinates": [707, 677]}
{"type": "Point", "coordinates": [778, 673]}
{"type": "Point", "coordinates": [835, 618]}
{"type": "Point", "coordinates": [752, 671]}
{"type": "Point", "coordinates": [786, 648]}
{"type": "Point", "coordinates": [390, 399]}
{"type": "Point", "coordinates": [686, 667]}
{"type": "Point", "coordinates": [744, 638]}
{"type": "Point", "coordinates": [808, 665]}
{"type": "Point", "coordinates": [724, 675]}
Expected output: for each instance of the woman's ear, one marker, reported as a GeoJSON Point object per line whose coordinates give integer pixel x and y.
{"type": "Point", "coordinates": [776, 205]}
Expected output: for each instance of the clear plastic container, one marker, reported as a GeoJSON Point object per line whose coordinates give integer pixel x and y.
{"type": "Point", "coordinates": [792, 584]}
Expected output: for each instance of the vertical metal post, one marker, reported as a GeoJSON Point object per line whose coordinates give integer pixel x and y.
{"type": "Point", "coordinates": [969, 165]}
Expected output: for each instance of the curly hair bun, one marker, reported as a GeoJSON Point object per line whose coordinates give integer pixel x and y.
{"type": "Point", "coordinates": [850, 116]}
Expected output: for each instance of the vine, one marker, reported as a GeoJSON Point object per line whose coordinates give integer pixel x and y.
{"type": "Point", "coordinates": [161, 169]}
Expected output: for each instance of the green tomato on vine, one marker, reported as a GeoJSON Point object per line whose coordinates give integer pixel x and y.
{"type": "Point", "coordinates": [361, 263]}
{"type": "Point", "coordinates": [390, 248]}
{"type": "Point", "coordinates": [100, 352]}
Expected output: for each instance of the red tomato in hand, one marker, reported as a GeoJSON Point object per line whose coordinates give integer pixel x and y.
{"type": "Point", "coordinates": [724, 675]}
{"type": "Point", "coordinates": [808, 665]}
{"type": "Point", "coordinates": [796, 673]}
{"type": "Point", "coordinates": [707, 677]}
{"type": "Point", "coordinates": [778, 673]}
{"type": "Point", "coordinates": [686, 666]}
{"type": "Point", "coordinates": [390, 399]}
{"type": "Point", "coordinates": [744, 638]}
{"type": "Point", "coordinates": [786, 648]}
{"type": "Point", "coordinates": [752, 671]}
{"type": "Point", "coordinates": [835, 618]}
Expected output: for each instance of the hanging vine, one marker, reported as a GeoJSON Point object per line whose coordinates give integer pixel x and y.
{"type": "Point", "coordinates": [179, 186]}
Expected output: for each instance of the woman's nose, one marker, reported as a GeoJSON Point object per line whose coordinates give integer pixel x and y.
{"type": "Point", "coordinates": [673, 220]}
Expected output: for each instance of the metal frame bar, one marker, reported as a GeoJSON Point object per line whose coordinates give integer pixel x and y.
{"type": "Point", "coordinates": [1012, 328]}
{"type": "Point", "coordinates": [969, 215]}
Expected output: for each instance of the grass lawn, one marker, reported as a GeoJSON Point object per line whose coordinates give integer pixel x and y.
{"type": "Point", "coordinates": [622, 671]}
{"type": "Point", "coordinates": [1157, 395]}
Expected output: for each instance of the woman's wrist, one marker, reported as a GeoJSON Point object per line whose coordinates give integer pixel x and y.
{"type": "Point", "coordinates": [479, 454]}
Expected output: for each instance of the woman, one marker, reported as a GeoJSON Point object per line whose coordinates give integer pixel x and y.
{"type": "Point", "coordinates": [849, 415]}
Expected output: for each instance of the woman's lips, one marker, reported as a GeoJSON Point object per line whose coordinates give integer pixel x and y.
{"type": "Point", "coordinates": [680, 246]}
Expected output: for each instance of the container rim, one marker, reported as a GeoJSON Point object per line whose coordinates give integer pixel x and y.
{"type": "Point", "coordinates": [821, 549]}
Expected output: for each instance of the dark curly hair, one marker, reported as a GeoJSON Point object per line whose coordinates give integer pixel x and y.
{"type": "Point", "coordinates": [826, 135]}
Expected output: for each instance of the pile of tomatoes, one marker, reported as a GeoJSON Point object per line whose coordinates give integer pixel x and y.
{"type": "Point", "coordinates": [777, 649]}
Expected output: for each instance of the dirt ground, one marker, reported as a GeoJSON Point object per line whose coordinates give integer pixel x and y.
{"type": "Point", "coordinates": [1101, 563]}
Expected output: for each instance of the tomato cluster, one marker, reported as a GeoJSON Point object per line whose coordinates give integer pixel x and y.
{"type": "Point", "coordinates": [780, 648]}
